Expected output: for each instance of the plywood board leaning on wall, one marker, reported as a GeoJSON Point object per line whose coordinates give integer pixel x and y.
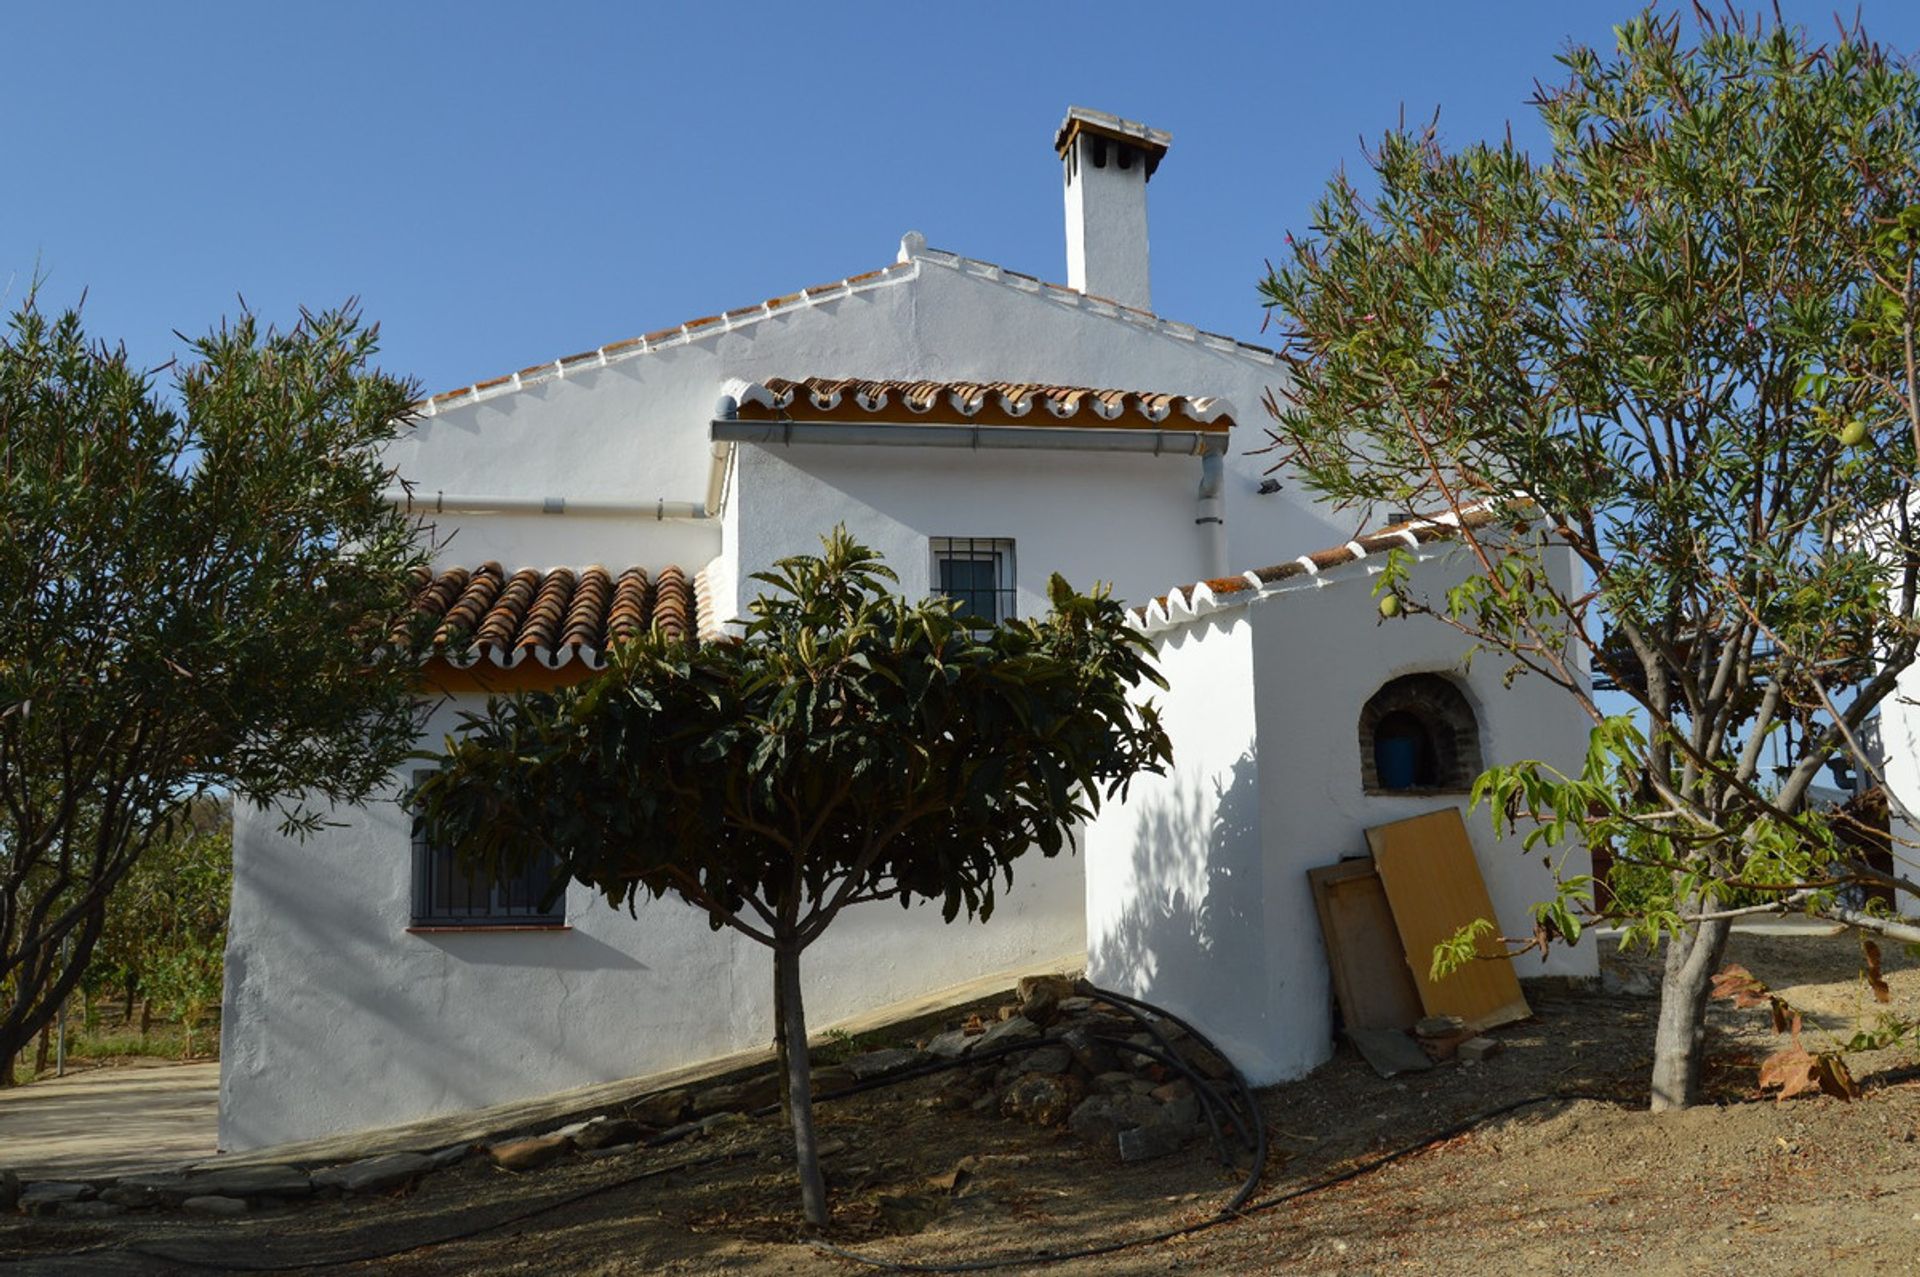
{"type": "Point", "coordinates": [1370, 976]}
{"type": "Point", "coordinates": [1434, 886]}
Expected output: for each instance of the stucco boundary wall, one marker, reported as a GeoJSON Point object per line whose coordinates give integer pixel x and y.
{"type": "Point", "coordinates": [340, 1019]}
{"type": "Point", "coordinates": [1197, 894]}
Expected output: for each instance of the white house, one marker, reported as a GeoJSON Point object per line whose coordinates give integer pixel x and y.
{"type": "Point", "coordinates": [981, 428]}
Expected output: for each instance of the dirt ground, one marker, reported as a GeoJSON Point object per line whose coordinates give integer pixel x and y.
{"type": "Point", "coordinates": [1590, 1185]}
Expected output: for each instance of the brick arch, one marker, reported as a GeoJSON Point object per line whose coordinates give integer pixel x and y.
{"type": "Point", "coordinates": [1432, 710]}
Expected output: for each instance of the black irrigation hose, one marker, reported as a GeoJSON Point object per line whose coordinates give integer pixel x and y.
{"type": "Point", "coordinates": [1226, 1214]}
{"type": "Point", "coordinates": [1252, 1128]}
{"type": "Point", "coordinates": [1208, 1100]}
{"type": "Point", "coordinates": [1254, 1135]}
{"type": "Point", "coordinates": [1257, 1122]}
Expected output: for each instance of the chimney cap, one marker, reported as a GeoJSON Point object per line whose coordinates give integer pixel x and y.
{"type": "Point", "coordinates": [1080, 119]}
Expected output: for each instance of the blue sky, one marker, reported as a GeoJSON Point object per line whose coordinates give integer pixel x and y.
{"type": "Point", "coordinates": [504, 184]}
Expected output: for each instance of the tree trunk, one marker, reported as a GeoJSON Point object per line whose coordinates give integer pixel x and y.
{"type": "Point", "coordinates": [146, 1018]}
{"type": "Point", "coordinates": [782, 1058]}
{"type": "Point", "coordinates": [126, 1017]}
{"type": "Point", "coordinates": [1679, 1041]}
{"type": "Point", "coordinates": [813, 1188]}
{"type": "Point", "coordinates": [43, 1057]}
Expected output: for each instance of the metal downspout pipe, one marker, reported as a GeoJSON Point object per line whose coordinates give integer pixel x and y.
{"type": "Point", "coordinates": [1210, 514]}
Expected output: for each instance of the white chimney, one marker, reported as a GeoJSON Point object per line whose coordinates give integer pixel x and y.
{"type": "Point", "coordinates": [1108, 161]}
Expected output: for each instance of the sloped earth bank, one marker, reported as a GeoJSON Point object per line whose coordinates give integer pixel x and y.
{"type": "Point", "coordinates": [1569, 1186]}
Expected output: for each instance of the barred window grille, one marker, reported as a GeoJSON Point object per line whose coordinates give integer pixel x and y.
{"type": "Point", "coordinates": [977, 574]}
{"type": "Point", "coordinates": [445, 895]}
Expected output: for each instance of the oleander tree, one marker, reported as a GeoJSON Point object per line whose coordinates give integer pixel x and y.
{"type": "Point", "coordinates": [849, 747]}
{"type": "Point", "coordinates": [1677, 349]}
{"type": "Point", "coordinates": [197, 586]}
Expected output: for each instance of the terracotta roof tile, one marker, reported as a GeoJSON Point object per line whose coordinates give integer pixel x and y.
{"type": "Point", "coordinates": [996, 403]}
{"type": "Point", "coordinates": [1419, 531]}
{"type": "Point", "coordinates": [464, 615]}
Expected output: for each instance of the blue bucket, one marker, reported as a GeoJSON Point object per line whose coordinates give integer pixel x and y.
{"type": "Point", "coordinates": [1397, 760]}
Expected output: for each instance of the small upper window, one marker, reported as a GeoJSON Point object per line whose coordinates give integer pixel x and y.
{"type": "Point", "coordinates": [445, 895]}
{"type": "Point", "coordinates": [977, 574]}
{"type": "Point", "coordinates": [1418, 733]}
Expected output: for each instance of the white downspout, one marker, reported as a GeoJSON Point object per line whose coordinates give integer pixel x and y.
{"type": "Point", "coordinates": [1211, 511]}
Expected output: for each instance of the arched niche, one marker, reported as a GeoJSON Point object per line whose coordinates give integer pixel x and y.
{"type": "Point", "coordinates": [1419, 735]}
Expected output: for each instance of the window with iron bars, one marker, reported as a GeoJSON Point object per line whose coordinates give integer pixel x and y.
{"type": "Point", "coordinates": [977, 574]}
{"type": "Point", "coordinates": [446, 895]}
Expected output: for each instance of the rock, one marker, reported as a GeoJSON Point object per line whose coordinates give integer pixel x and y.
{"type": "Point", "coordinates": [1042, 1006]}
{"type": "Point", "coordinates": [529, 1154]}
{"type": "Point", "coordinates": [1474, 1050]}
{"type": "Point", "coordinates": [1144, 1143]}
{"type": "Point", "coordinates": [958, 1182]}
{"type": "Point", "coordinates": [880, 1063]}
{"type": "Point", "coordinates": [664, 1108]}
{"type": "Point", "coordinates": [826, 1081]}
{"type": "Point", "coordinates": [610, 1132]}
{"type": "Point", "coordinates": [956, 1090]}
{"type": "Point", "coordinates": [1075, 1005]}
{"type": "Point", "coordinates": [249, 1181]}
{"type": "Point", "coordinates": [985, 1104]}
{"type": "Point", "coordinates": [719, 1122]}
{"type": "Point", "coordinates": [451, 1155]}
{"type": "Point", "coordinates": [1181, 1112]}
{"type": "Point", "coordinates": [9, 1190]}
{"type": "Point", "coordinates": [1177, 1089]}
{"type": "Point", "coordinates": [1057, 985]}
{"type": "Point", "coordinates": [1439, 1026]}
{"type": "Point", "coordinates": [42, 1196]}
{"type": "Point", "coordinates": [375, 1174]}
{"type": "Point", "coordinates": [1097, 1120]}
{"type": "Point", "coordinates": [908, 1212]}
{"type": "Point", "coordinates": [1138, 1061]}
{"type": "Point", "coordinates": [1113, 1081]}
{"type": "Point", "coordinates": [1017, 1029]}
{"type": "Point", "coordinates": [951, 1045]}
{"type": "Point", "coordinates": [151, 1188]}
{"type": "Point", "coordinates": [738, 1097]}
{"type": "Point", "coordinates": [1043, 1099]}
{"type": "Point", "coordinates": [1095, 1057]}
{"type": "Point", "coordinates": [89, 1210]}
{"type": "Point", "coordinates": [1048, 1059]}
{"type": "Point", "coordinates": [215, 1204]}
{"type": "Point", "coordinates": [135, 1198]}
{"type": "Point", "coordinates": [1203, 1059]}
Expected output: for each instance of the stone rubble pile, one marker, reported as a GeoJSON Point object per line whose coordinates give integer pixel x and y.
{"type": "Point", "coordinates": [1082, 1072]}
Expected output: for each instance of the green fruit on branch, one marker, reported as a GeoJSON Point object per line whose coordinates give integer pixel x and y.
{"type": "Point", "coordinates": [1389, 605]}
{"type": "Point", "coordinates": [1854, 433]}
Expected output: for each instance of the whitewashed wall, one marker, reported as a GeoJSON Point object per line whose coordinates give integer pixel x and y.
{"type": "Point", "coordinates": [1197, 894]}
{"type": "Point", "coordinates": [1125, 519]}
{"type": "Point", "coordinates": [1896, 750]}
{"type": "Point", "coordinates": [338, 1019]}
